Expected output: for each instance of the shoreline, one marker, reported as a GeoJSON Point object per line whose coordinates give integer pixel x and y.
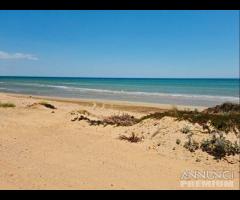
{"type": "Point", "coordinates": [152, 92]}
{"type": "Point", "coordinates": [113, 104]}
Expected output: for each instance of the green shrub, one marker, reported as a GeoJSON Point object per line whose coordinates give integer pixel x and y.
{"type": "Point", "coordinates": [222, 122]}
{"type": "Point", "coordinates": [219, 147]}
{"type": "Point", "coordinates": [226, 107]}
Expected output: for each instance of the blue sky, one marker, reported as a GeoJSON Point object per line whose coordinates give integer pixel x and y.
{"type": "Point", "coordinates": [120, 43]}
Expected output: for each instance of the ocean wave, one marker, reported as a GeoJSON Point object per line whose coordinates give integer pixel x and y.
{"type": "Point", "coordinates": [7, 89]}
{"type": "Point", "coordinates": [40, 85]}
{"type": "Point", "coordinates": [121, 92]}
{"type": "Point", "coordinates": [154, 94]}
{"type": "Point", "coordinates": [133, 93]}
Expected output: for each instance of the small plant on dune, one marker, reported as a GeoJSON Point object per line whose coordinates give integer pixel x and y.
{"type": "Point", "coordinates": [47, 105]}
{"type": "Point", "coordinates": [219, 147]}
{"type": "Point", "coordinates": [7, 105]}
{"type": "Point", "coordinates": [120, 120]}
{"type": "Point", "coordinates": [133, 138]}
{"type": "Point", "coordinates": [191, 144]}
{"type": "Point", "coordinates": [178, 141]}
{"type": "Point", "coordinates": [185, 130]}
{"type": "Point", "coordinates": [196, 110]}
{"type": "Point", "coordinates": [174, 108]}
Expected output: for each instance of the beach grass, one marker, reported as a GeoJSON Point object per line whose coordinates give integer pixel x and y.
{"type": "Point", "coordinates": [133, 138]}
{"type": "Point", "coordinates": [226, 121]}
{"type": "Point", "coordinates": [222, 121]}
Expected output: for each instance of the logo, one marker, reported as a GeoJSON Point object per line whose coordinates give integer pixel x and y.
{"type": "Point", "coordinates": [207, 178]}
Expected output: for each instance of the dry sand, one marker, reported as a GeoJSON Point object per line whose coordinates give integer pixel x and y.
{"type": "Point", "coordinates": [43, 149]}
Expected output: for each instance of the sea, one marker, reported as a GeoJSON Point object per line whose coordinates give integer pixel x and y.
{"type": "Point", "coordinates": [174, 91]}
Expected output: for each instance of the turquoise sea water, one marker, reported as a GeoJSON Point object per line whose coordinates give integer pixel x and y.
{"type": "Point", "coordinates": [201, 92]}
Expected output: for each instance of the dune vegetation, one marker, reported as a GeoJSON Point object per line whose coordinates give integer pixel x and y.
{"type": "Point", "coordinates": [7, 105]}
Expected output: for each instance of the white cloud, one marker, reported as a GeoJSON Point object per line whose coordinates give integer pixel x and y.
{"type": "Point", "coordinates": [8, 56]}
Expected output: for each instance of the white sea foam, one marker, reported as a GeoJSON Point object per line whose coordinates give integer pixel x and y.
{"type": "Point", "coordinates": [229, 98]}
{"type": "Point", "coordinates": [133, 93]}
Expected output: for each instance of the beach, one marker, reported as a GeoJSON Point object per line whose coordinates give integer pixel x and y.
{"type": "Point", "coordinates": [202, 92]}
{"type": "Point", "coordinates": [43, 148]}
{"type": "Point", "coordinates": [119, 100]}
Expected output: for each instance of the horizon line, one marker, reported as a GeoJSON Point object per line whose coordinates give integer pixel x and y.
{"type": "Point", "coordinates": [29, 76]}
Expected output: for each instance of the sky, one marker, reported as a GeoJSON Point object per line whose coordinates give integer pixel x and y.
{"type": "Point", "coordinates": [158, 44]}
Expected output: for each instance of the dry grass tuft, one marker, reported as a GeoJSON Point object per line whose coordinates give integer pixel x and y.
{"type": "Point", "coordinates": [121, 120]}
{"type": "Point", "coordinates": [133, 138]}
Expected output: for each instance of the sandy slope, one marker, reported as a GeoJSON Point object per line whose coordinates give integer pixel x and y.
{"type": "Point", "coordinates": [40, 149]}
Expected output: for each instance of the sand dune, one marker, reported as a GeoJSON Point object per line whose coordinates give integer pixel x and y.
{"type": "Point", "coordinates": [41, 148]}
